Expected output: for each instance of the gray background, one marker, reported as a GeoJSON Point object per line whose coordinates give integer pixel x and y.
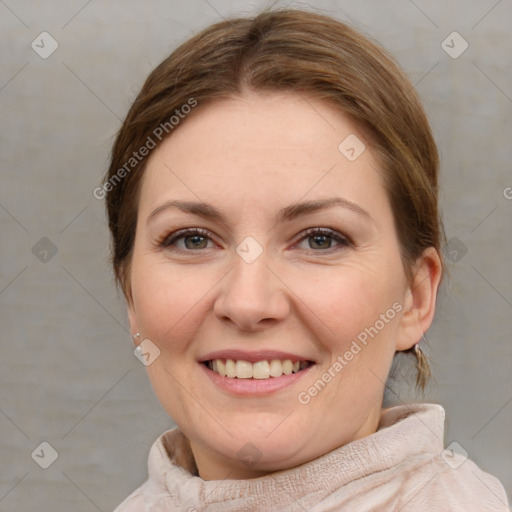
{"type": "Point", "coordinates": [67, 372]}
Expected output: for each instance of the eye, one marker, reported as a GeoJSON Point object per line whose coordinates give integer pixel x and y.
{"type": "Point", "coordinates": [193, 239]}
{"type": "Point", "coordinates": [322, 238]}
{"type": "Point", "coordinates": [190, 239]}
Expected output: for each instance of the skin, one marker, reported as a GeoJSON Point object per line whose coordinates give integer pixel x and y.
{"type": "Point", "coordinates": [250, 156]}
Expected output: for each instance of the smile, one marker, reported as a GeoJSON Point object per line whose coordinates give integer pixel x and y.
{"type": "Point", "coordinates": [254, 373]}
{"type": "Point", "coordinates": [264, 369]}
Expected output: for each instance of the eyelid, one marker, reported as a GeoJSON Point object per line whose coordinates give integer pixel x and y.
{"type": "Point", "coordinates": [343, 240]}
{"type": "Point", "coordinates": [168, 239]}
{"type": "Point", "coordinates": [324, 230]}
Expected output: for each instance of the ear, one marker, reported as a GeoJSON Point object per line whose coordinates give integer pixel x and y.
{"type": "Point", "coordinates": [133, 323]}
{"type": "Point", "coordinates": [130, 309]}
{"type": "Point", "coordinates": [420, 300]}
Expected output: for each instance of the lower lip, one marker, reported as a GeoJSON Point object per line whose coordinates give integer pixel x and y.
{"type": "Point", "coordinates": [254, 387]}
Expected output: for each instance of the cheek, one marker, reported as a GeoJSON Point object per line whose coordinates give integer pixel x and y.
{"type": "Point", "coordinates": [167, 302]}
{"type": "Point", "coordinates": [355, 304]}
{"type": "Point", "coordinates": [346, 301]}
{"type": "Point", "coordinates": [358, 309]}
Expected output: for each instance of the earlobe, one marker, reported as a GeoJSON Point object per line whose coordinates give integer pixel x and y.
{"type": "Point", "coordinates": [420, 300]}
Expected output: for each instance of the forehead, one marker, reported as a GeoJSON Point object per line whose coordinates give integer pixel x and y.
{"type": "Point", "coordinates": [264, 149]}
{"type": "Point", "coordinates": [273, 121]}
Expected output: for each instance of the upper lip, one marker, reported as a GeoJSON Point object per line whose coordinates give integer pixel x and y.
{"type": "Point", "coordinates": [253, 356]}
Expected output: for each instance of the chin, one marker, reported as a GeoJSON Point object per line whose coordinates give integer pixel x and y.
{"type": "Point", "coordinates": [269, 452]}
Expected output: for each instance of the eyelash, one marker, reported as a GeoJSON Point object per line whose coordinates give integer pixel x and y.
{"type": "Point", "coordinates": [343, 241]}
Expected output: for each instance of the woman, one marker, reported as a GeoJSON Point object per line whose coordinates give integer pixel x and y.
{"type": "Point", "coordinates": [272, 200]}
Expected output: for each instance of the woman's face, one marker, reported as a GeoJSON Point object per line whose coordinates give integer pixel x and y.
{"type": "Point", "coordinates": [274, 274]}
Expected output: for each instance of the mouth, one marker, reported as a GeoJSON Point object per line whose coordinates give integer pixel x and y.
{"type": "Point", "coordinates": [256, 373]}
{"type": "Point", "coordinates": [258, 370]}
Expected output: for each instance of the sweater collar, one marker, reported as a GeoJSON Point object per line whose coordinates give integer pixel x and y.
{"type": "Point", "coordinates": [404, 431]}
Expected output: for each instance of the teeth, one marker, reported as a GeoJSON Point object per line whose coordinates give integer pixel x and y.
{"type": "Point", "coordinates": [276, 368]}
{"type": "Point", "coordinates": [287, 367]}
{"type": "Point", "coordinates": [230, 368]}
{"type": "Point", "coordinates": [243, 369]}
{"type": "Point", "coordinates": [221, 367]}
{"type": "Point", "coordinates": [260, 370]}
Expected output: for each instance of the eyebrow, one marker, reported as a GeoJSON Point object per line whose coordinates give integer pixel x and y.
{"type": "Point", "coordinates": [286, 214]}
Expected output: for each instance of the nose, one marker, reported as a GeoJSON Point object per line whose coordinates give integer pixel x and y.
{"type": "Point", "coordinates": [252, 296]}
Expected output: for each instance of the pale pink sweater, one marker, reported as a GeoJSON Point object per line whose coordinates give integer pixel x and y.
{"type": "Point", "coordinates": [401, 467]}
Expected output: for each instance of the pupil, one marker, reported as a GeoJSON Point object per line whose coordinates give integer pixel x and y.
{"type": "Point", "coordinates": [196, 241]}
{"type": "Point", "coordinates": [320, 237]}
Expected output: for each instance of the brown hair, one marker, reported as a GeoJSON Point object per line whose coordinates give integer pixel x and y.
{"type": "Point", "coordinates": [297, 51]}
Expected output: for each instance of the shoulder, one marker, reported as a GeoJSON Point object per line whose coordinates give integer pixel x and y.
{"type": "Point", "coordinates": [455, 483]}
{"type": "Point", "coordinates": [153, 495]}
{"type": "Point", "coordinates": [133, 503]}
{"type": "Point", "coordinates": [429, 477]}
{"type": "Point", "coordinates": [147, 499]}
